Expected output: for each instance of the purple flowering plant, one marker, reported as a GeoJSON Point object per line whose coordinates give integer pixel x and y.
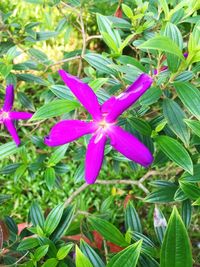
{"type": "Point", "coordinates": [103, 125]}
{"type": "Point", "coordinates": [113, 138]}
{"type": "Point", "coordinates": [8, 116]}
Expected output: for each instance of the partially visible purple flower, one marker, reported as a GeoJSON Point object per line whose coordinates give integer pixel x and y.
{"type": "Point", "coordinates": [103, 125]}
{"type": "Point", "coordinates": [155, 72]}
{"type": "Point", "coordinates": [7, 116]}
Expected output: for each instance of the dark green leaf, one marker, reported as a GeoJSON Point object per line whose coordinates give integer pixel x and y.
{"type": "Point", "coordinates": [190, 96]}
{"type": "Point", "coordinates": [176, 152]}
{"type": "Point", "coordinates": [108, 231]}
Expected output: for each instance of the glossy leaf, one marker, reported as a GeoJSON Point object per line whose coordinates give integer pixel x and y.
{"type": "Point", "coordinates": [91, 254]}
{"type": "Point", "coordinates": [54, 108]}
{"type": "Point", "coordinates": [176, 250]}
{"type": "Point", "coordinates": [190, 96]}
{"type": "Point", "coordinates": [175, 116]}
{"type": "Point", "coordinates": [164, 44]}
{"type": "Point", "coordinates": [176, 152]}
{"type": "Point", "coordinates": [108, 231]}
{"type": "Point", "coordinates": [132, 220]}
{"type": "Point", "coordinates": [53, 219]}
{"type": "Point", "coordinates": [127, 257]}
{"type": "Point", "coordinates": [81, 259]}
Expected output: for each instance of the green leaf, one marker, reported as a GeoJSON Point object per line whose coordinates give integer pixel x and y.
{"type": "Point", "coordinates": [100, 63]}
{"type": "Point", "coordinates": [41, 252]}
{"type": "Point", "coordinates": [50, 263]}
{"type": "Point", "coordinates": [160, 224]}
{"type": "Point", "coordinates": [81, 259]}
{"type": "Point", "coordinates": [175, 115]}
{"type": "Point", "coordinates": [57, 155]}
{"type": "Point", "coordinates": [132, 220]}
{"type": "Point", "coordinates": [28, 243]}
{"type": "Point", "coordinates": [176, 250]}
{"type": "Point", "coordinates": [165, 7]}
{"type": "Point", "coordinates": [39, 55]}
{"type": "Point", "coordinates": [91, 254]}
{"type": "Point", "coordinates": [175, 151]}
{"type": "Point", "coordinates": [64, 251]}
{"type": "Point", "coordinates": [5, 69]}
{"type": "Point", "coordinates": [194, 126]}
{"type": "Point", "coordinates": [127, 257]}
{"type": "Point", "coordinates": [141, 126]}
{"type": "Point", "coordinates": [43, 36]}
{"type": "Point", "coordinates": [20, 172]}
{"type": "Point", "coordinates": [164, 44]}
{"type": "Point", "coordinates": [127, 11]}
{"type": "Point", "coordinates": [64, 223]}
{"type": "Point", "coordinates": [54, 108]}
{"type": "Point", "coordinates": [62, 91]}
{"type": "Point", "coordinates": [53, 219]}
{"type": "Point", "coordinates": [110, 36]}
{"type": "Point", "coordinates": [195, 178]}
{"type": "Point", "coordinates": [4, 197]}
{"type": "Point", "coordinates": [23, 99]}
{"type": "Point", "coordinates": [8, 149]}
{"type": "Point", "coordinates": [190, 96]}
{"type": "Point", "coordinates": [36, 215]}
{"type": "Point", "coordinates": [186, 212]}
{"type": "Point", "coordinates": [174, 34]}
{"type": "Point", "coordinates": [30, 78]}
{"type": "Point", "coordinates": [164, 194]}
{"type": "Point", "coordinates": [97, 83]}
{"type": "Point", "coordinates": [190, 189]}
{"type": "Point", "coordinates": [151, 96]}
{"type": "Point", "coordinates": [108, 231]}
{"type": "Point", "coordinates": [50, 177]}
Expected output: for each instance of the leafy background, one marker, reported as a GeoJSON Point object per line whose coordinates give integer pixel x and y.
{"type": "Point", "coordinates": [109, 52]}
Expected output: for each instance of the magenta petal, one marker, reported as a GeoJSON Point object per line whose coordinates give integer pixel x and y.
{"type": "Point", "coordinates": [15, 115]}
{"type": "Point", "coordinates": [9, 98]}
{"type": "Point", "coordinates": [94, 157]}
{"type": "Point", "coordinates": [129, 146]}
{"type": "Point", "coordinates": [129, 97]}
{"type": "Point", "coordinates": [108, 104]}
{"type": "Point", "coordinates": [83, 93]}
{"type": "Point", "coordinates": [12, 130]}
{"type": "Point", "coordinates": [67, 131]}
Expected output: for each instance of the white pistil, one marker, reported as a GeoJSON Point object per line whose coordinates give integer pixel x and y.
{"type": "Point", "coordinates": [3, 115]}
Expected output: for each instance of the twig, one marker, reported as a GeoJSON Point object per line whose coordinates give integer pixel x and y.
{"type": "Point", "coordinates": [89, 38]}
{"type": "Point", "coordinates": [62, 61]}
{"type": "Point", "coordinates": [110, 182]}
{"type": "Point", "coordinates": [74, 194]}
{"type": "Point", "coordinates": [83, 33]}
{"type": "Point", "coordinates": [14, 264]}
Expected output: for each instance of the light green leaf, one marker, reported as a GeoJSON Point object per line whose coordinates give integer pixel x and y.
{"type": "Point", "coordinates": [81, 259]}
{"type": "Point", "coordinates": [54, 108]}
{"type": "Point", "coordinates": [164, 44]}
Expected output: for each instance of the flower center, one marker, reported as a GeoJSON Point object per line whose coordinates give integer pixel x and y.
{"type": "Point", "coordinates": [103, 125]}
{"type": "Point", "coordinates": [3, 115]}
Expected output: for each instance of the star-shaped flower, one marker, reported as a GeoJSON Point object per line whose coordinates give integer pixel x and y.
{"type": "Point", "coordinates": [7, 116]}
{"type": "Point", "coordinates": [103, 125]}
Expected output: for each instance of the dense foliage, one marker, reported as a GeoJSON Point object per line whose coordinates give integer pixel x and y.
{"type": "Point", "coordinates": [131, 216]}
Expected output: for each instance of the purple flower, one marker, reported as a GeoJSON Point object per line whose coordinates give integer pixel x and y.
{"type": "Point", "coordinates": [103, 125]}
{"type": "Point", "coordinates": [7, 116]}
